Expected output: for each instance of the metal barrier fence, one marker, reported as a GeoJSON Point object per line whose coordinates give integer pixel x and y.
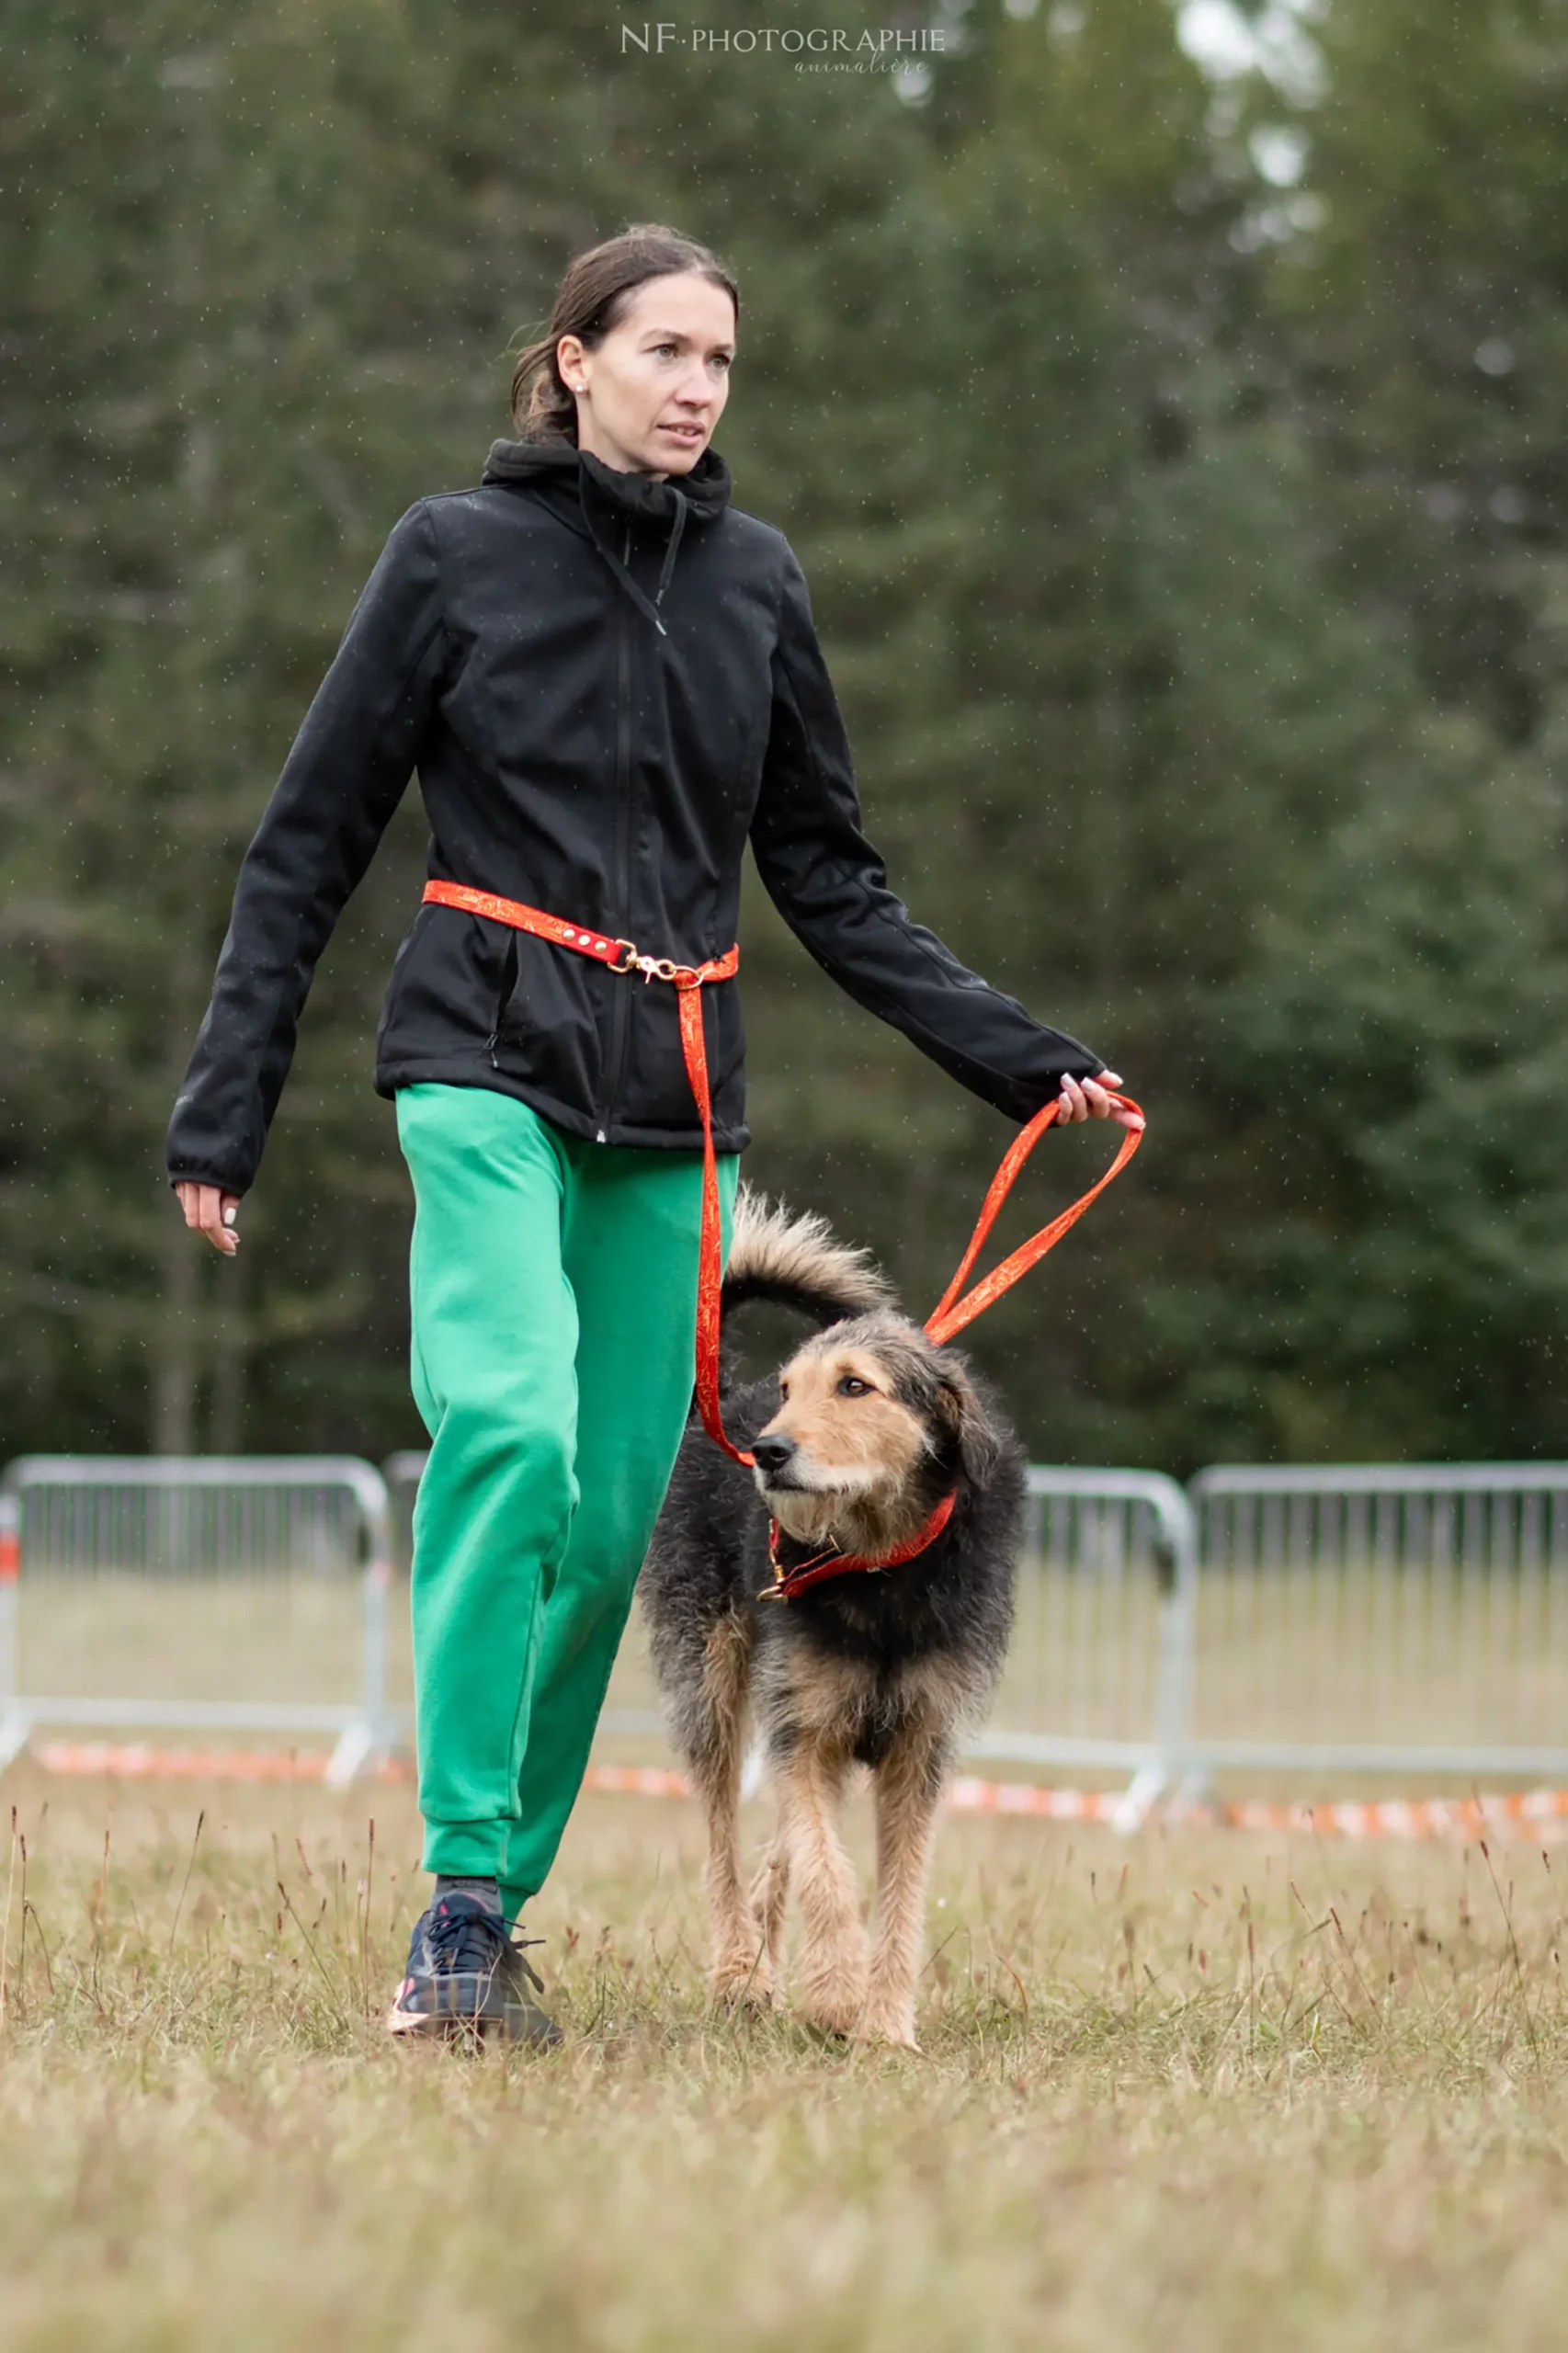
{"type": "Point", "coordinates": [1378, 1619]}
{"type": "Point", "coordinates": [201, 1595]}
{"type": "Point", "coordinates": [1362, 1618]}
{"type": "Point", "coordinates": [1098, 1672]}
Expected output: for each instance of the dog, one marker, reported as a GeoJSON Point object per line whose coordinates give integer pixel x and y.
{"type": "Point", "coordinates": [860, 1441]}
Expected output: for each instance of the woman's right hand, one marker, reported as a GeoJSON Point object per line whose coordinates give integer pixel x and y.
{"type": "Point", "coordinates": [1089, 1099]}
{"type": "Point", "coordinates": [209, 1212]}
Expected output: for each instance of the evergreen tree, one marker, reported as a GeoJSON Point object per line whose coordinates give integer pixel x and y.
{"type": "Point", "coordinates": [1175, 473]}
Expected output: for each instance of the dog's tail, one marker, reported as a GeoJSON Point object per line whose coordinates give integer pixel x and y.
{"type": "Point", "coordinates": [795, 1262]}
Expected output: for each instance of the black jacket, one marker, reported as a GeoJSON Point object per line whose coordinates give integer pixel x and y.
{"type": "Point", "coordinates": [607, 684]}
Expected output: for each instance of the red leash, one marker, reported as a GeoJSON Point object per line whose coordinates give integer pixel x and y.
{"type": "Point", "coordinates": [951, 1312]}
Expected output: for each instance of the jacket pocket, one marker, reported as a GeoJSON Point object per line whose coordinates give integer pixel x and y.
{"type": "Point", "coordinates": [544, 1030]}
{"type": "Point", "coordinates": [505, 1016]}
{"type": "Point", "coordinates": [443, 997]}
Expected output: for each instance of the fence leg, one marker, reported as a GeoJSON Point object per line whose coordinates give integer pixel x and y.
{"type": "Point", "coordinates": [356, 1747]}
{"type": "Point", "coordinates": [1194, 1793]}
{"type": "Point", "coordinates": [368, 1740]}
{"type": "Point", "coordinates": [1141, 1796]}
{"type": "Point", "coordinates": [1178, 1633]}
{"type": "Point", "coordinates": [1194, 1786]}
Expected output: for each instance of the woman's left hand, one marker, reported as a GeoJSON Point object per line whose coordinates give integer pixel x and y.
{"type": "Point", "coordinates": [1086, 1098]}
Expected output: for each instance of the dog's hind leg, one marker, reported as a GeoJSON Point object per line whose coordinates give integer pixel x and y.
{"type": "Point", "coordinates": [715, 1746]}
{"type": "Point", "coordinates": [831, 1989]}
{"type": "Point", "coordinates": [908, 1791]}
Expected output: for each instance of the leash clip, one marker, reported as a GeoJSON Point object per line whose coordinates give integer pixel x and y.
{"type": "Point", "coordinates": [785, 1580]}
{"type": "Point", "coordinates": [654, 968]}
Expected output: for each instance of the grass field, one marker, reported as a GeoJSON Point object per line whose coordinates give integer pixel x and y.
{"type": "Point", "coordinates": [1192, 2090]}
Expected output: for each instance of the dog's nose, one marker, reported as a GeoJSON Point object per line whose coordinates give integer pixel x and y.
{"type": "Point", "coordinates": [772, 1453]}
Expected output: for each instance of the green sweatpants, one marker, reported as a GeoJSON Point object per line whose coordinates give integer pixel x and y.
{"type": "Point", "coordinates": [553, 1288]}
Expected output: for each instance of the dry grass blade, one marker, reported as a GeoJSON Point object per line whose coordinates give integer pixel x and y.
{"type": "Point", "coordinates": [184, 1883]}
{"type": "Point", "coordinates": [6, 1928]}
{"type": "Point", "coordinates": [1507, 1909]}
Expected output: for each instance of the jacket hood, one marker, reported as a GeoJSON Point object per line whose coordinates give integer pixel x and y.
{"type": "Point", "coordinates": [697, 497]}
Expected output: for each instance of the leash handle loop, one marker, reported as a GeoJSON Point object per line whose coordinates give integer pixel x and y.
{"type": "Point", "coordinates": [953, 1311]}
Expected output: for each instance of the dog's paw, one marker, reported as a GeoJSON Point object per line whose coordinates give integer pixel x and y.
{"type": "Point", "coordinates": [891, 2024]}
{"type": "Point", "coordinates": [742, 1981]}
{"type": "Point", "coordinates": [834, 2004]}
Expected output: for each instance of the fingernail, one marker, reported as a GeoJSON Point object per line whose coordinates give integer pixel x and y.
{"type": "Point", "coordinates": [230, 1215]}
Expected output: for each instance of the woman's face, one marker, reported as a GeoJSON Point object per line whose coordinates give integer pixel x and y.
{"type": "Point", "coordinates": [649, 398]}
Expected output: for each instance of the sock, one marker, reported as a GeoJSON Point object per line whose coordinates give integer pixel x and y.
{"type": "Point", "coordinates": [483, 1890]}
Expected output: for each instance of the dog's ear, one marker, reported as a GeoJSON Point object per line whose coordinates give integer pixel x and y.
{"type": "Point", "coordinates": [961, 1409]}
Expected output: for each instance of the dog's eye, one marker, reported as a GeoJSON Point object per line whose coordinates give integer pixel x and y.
{"type": "Point", "coordinates": [783, 1389]}
{"type": "Point", "coordinates": [853, 1386]}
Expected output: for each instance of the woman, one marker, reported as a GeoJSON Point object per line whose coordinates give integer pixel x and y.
{"type": "Point", "coordinates": [609, 680]}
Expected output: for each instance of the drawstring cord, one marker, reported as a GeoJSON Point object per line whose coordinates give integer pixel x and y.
{"type": "Point", "coordinates": [650, 612]}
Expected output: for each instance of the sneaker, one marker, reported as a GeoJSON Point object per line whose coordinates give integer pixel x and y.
{"type": "Point", "coordinates": [466, 1969]}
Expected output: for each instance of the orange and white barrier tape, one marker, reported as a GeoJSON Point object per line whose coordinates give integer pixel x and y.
{"type": "Point", "coordinates": [1537, 1814]}
{"type": "Point", "coordinates": [134, 1760]}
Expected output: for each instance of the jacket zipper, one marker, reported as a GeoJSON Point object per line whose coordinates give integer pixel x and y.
{"type": "Point", "coordinates": [620, 1011]}
{"type": "Point", "coordinates": [508, 984]}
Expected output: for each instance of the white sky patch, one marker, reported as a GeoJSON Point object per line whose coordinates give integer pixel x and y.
{"type": "Point", "coordinates": [1278, 153]}
{"type": "Point", "coordinates": [1275, 44]}
{"type": "Point", "coordinates": [1215, 37]}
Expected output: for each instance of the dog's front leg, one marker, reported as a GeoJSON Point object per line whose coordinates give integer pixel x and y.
{"type": "Point", "coordinates": [909, 1786]}
{"type": "Point", "coordinates": [739, 1969]}
{"type": "Point", "coordinates": [831, 1989]}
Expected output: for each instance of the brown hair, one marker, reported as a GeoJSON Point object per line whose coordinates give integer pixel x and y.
{"type": "Point", "coordinates": [593, 298]}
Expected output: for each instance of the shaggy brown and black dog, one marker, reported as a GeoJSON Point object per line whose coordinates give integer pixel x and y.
{"type": "Point", "coordinates": [864, 1432]}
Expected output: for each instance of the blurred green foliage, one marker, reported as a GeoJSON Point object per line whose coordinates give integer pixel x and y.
{"type": "Point", "coordinates": [1177, 460]}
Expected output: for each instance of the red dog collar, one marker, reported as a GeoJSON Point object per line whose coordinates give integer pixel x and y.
{"type": "Point", "coordinates": [787, 1582]}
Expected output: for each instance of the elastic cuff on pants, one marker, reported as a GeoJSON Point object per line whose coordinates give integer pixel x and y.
{"type": "Point", "coordinates": [465, 1849]}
